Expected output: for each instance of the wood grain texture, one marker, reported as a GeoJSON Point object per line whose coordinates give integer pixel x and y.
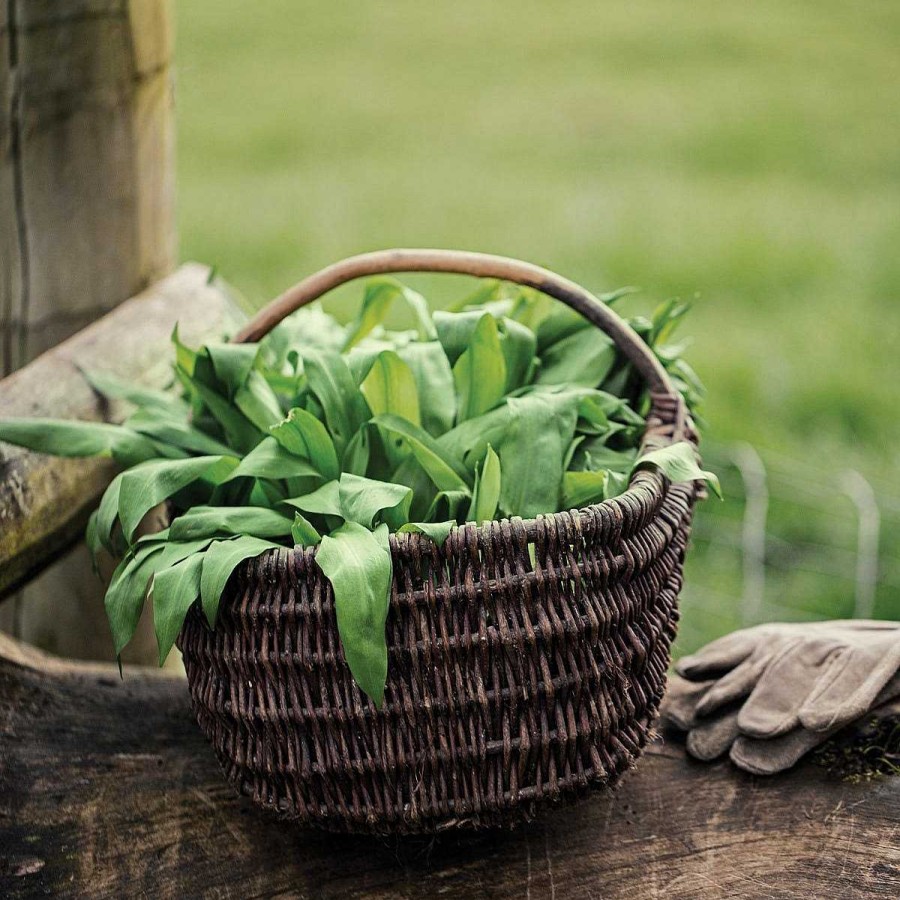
{"type": "Point", "coordinates": [107, 789]}
{"type": "Point", "coordinates": [86, 163]}
{"type": "Point", "coordinates": [45, 501]}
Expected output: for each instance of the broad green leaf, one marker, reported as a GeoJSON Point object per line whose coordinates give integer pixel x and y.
{"type": "Point", "coordinates": [232, 364]}
{"type": "Point", "coordinates": [532, 454]}
{"type": "Point", "coordinates": [114, 388]}
{"type": "Point", "coordinates": [519, 347]}
{"type": "Point", "coordinates": [344, 405]}
{"type": "Point", "coordinates": [390, 387]}
{"type": "Point", "coordinates": [107, 516]}
{"type": "Point", "coordinates": [215, 521]}
{"type": "Point", "coordinates": [469, 440]}
{"type": "Point", "coordinates": [455, 330]}
{"type": "Point", "coordinates": [162, 426]}
{"type": "Point", "coordinates": [125, 596]}
{"type": "Point", "coordinates": [62, 437]}
{"type": "Point", "coordinates": [356, 457]}
{"type": "Point", "coordinates": [150, 483]}
{"type": "Point", "coordinates": [357, 562]}
{"type": "Point", "coordinates": [486, 495]}
{"type": "Point", "coordinates": [448, 505]}
{"type": "Point", "coordinates": [480, 372]}
{"type": "Point", "coordinates": [593, 454]}
{"type": "Point", "coordinates": [583, 488]}
{"type": "Point", "coordinates": [258, 402]}
{"type": "Point", "coordinates": [326, 501]}
{"type": "Point", "coordinates": [447, 472]}
{"type": "Point", "coordinates": [302, 434]}
{"type": "Point", "coordinates": [678, 462]}
{"type": "Point", "coordinates": [269, 459]}
{"type": "Point", "coordinates": [240, 433]}
{"type": "Point", "coordinates": [174, 591]}
{"type": "Point", "coordinates": [434, 383]}
{"type": "Point", "coordinates": [219, 561]}
{"type": "Point", "coordinates": [380, 294]}
{"type": "Point", "coordinates": [583, 358]}
{"type": "Point", "coordinates": [362, 499]}
{"type": "Point", "coordinates": [92, 539]}
{"type": "Point", "coordinates": [308, 328]}
{"type": "Point", "coordinates": [303, 532]}
{"type": "Point", "coordinates": [437, 531]}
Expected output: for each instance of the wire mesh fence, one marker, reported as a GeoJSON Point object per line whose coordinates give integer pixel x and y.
{"type": "Point", "coordinates": [789, 543]}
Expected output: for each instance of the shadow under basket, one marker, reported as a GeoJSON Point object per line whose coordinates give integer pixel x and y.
{"type": "Point", "coordinates": [527, 659]}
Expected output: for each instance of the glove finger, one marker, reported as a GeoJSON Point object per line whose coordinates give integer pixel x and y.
{"type": "Point", "coordinates": [774, 705]}
{"type": "Point", "coordinates": [712, 739]}
{"type": "Point", "coordinates": [736, 684]}
{"type": "Point", "coordinates": [850, 689]}
{"type": "Point", "coordinates": [767, 757]}
{"type": "Point", "coordinates": [680, 703]}
{"type": "Point", "coordinates": [719, 656]}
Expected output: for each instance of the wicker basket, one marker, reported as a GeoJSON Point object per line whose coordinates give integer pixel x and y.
{"type": "Point", "coordinates": [527, 659]}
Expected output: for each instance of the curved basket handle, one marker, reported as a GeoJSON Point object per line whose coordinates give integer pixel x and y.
{"type": "Point", "coordinates": [462, 262]}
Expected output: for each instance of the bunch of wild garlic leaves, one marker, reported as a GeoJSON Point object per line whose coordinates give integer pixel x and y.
{"type": "Point", "coordinates": [332, 436]}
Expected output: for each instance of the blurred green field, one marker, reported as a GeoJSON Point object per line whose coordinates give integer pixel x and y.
{"type": "Point", "coordinates": [747, 155]}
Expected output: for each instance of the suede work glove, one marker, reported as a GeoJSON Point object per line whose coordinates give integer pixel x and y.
{"type": "Point", "coordinates": [770, 694]}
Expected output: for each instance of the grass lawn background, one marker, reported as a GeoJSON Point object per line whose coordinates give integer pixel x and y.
{"type": "Point", "coordinates": [746, 155]}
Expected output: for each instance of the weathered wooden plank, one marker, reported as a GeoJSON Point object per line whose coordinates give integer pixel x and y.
{"type": "Point", "coordinates": [44, 501]}
{"type": "Point", "coordinates": [86, 164]}
{"type": "Point", "coordinates": [107, 789]}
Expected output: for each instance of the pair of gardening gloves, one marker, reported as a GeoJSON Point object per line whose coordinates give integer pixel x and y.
{"type": "Point", "coordinates": [768, 695]}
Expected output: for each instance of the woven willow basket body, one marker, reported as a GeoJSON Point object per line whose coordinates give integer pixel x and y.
{"type": "Point", "coordinates": [527, 661]}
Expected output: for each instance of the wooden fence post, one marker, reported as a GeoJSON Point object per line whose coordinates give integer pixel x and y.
{"type": "Point", "coordinates": [86, 213]}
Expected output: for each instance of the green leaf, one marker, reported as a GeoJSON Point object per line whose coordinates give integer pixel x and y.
{"type": "Point", "coordinates": [174, 591]}
{"type": "Point", "coordinates": [390, 387]}
{"type": "Point", "coordinates": [107, 516]}
{"type": "Point", "coordinates": [344, 405]}
{"type": "Point", "coordinates": [326, 501]}
{"type": "Point", "coordinates": [216, 521]}
{"type": "Point", "coordinates": [114, 388]}
{"type": "Point", "coordinates": [469, 440]}
{"type": "Point", "coordinates": [519, 346]}
{"type": "Point", "coordinates": [164, 427]}
{"type": "Point", "coordinates": [532, 452]}
{"type": "Point", "coordinates": [486, 496]}
{"type": "Point", "coordinates": [258, 402]}
{"type": "Point", "coordinates": [434, 383]}
{"type": "Point", "coordinates": [678, 462]}
{"type": "Point", "coordinates": [240, 433]}
{"type": "Point", "coordinates": [448, 505]}
{"type": "Point", "coordinates": [124, 600]}
{"type": "Point", "coordinates": [269, 459]}
{"type": "Point", "coordinates": [303, 532]}
{"type": "Point", "coordinates": [356, 457]}
{"type": "Point", "coordinates": [302, 434]}
{"type": "Point", "coordinates": [480, 372]}
{"type": "Point", "coordinates": [219, 561]}
{"type": "Point", "coordinates": [583, 488]}
{"type": "Point", "coordinates": [358, 564]}
{"type": "Point", "coordinates": [583, 358]}
{"type": "Point", "coordinates": [592, 453]}
{"type": "Point", "coordinates": [362, 499]}
{"type": "Point", "coordinates": [62, 437]}
{"type": "Point", "coordinates": [232, 364]}
{"type": "Point", "coordinates": [447, 473]}
{"type": "Point", "coordinates": [437, 531]}
{"type": "Point", "coordinates": [380, 294]}
{"type": "Point", "coordinates": [150, 483]}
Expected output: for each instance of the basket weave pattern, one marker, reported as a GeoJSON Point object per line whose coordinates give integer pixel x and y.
{"type": "Point", "coordinates": [527, 661]}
